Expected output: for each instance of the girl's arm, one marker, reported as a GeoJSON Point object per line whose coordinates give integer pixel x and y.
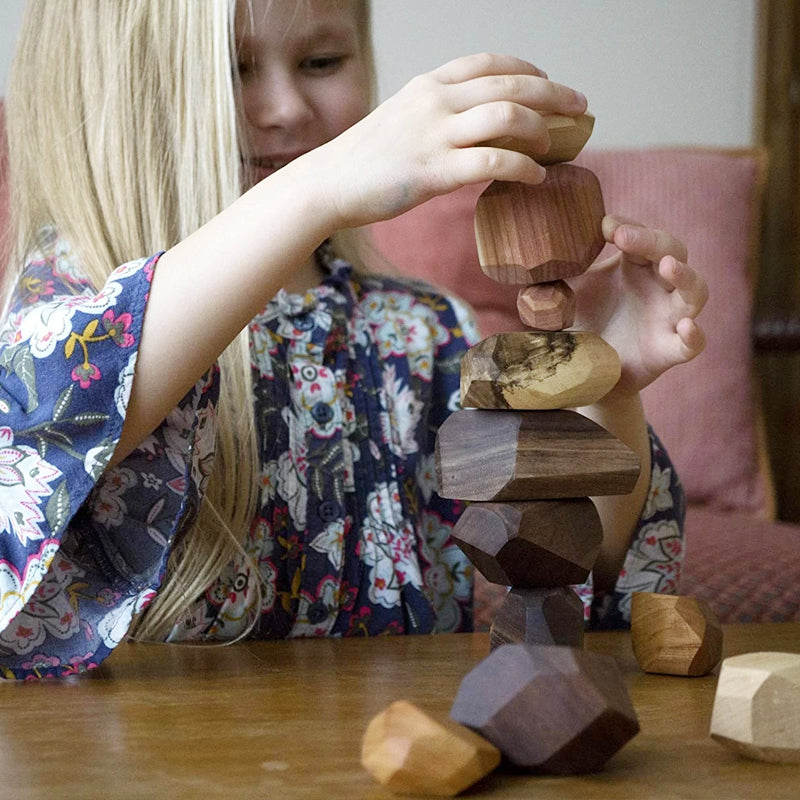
{"type": "Point", "coordinates": [423, 142]}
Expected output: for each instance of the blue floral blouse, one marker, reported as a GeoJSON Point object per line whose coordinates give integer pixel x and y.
{"type": "Point", "coordinates": [351, 382]}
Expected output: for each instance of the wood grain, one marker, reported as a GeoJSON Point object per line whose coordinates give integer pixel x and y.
{"type": "Point", "coordinates": [530, 455]}
{"type": "Point", "coordinates": [547, 306]}
{"type": "Point", "coordinates": [568, 135]}
{"type": "Point", "coordinates": [538, 370]}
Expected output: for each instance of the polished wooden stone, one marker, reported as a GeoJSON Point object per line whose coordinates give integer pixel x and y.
{"type": "Point", "coordinates": [568, 135]}
{"type": "Point", "coordinates": [530, 455]}
{"type": "Point", "coordinates": [531, 543]}
{"type": "Point", "coordinates": [547, 306]}
{"type": "Point", "coordinates": [538, 370]}
{"type": "Point", "coordinates": [538, 233]}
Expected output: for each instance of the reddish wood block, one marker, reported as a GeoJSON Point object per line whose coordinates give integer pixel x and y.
{"type": "Point", "coordinates": [547, 306]}
{"type": "Point", "coordinates": [530, 455]}
{"type": "Point", "coordinates": [410, 752]}
{"type": "Point", "coordinates": [535, 234]}
{"type": "Point", "coordinates": [674, 635]}
{"type": "Point", "coordinates": [551, 709]}
{"type": "Point", "coordinates": [568, 135]}
{"type": "Point", "coordinates": [757, 706]}
{"type": "Point", "coordinates": [539, 616]}
{"type": "Point", "coordinates": [531, 544]}
{"type": "Point", "coordinates": [538, 370]}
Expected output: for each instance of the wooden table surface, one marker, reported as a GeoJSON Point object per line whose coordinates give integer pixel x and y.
{"type": "Point", "coordinates": [285, 719]}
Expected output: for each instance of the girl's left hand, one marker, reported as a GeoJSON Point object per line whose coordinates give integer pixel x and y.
{"type": "Point", "coordinates": [643, 301]}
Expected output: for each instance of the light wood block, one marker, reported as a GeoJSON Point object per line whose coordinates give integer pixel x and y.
{"type": "Point", "coordinates": [535, 234]}
{"type": "Point", "coordinates": [531, 544]}
{"type": "Point", "coordinates": [550, 709]}
{"type": "Point", "coordinates": [568, 135]}
{"type": "Point", "coordinates": [756, 709]}
{"type": "Point", "coordinates": [530, 455]}
{"type": "Point", "coordinates": [547, 306]}
{"type": "Point", "coordinates": [410, 752]}
{"type": "Point", "coordinates": [538, 370]}
{"type": "Point", "coordinates": [674, 635]}
{"type": "Point", "coordinates": [551, 616]}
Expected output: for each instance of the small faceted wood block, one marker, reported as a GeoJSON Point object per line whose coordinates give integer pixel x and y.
{"type": "Point", "coordinates": [530, 455]}
{"type": "Point", "coordinates": [568, 135]}
{"type": "Point", "coordinates": [539, 616]}
{"type": "Point", "coordinates": [547, 306]}
{"type": "Point", "coordinates": [547, 232]}
{"type": "Point", "coordinates": [674, 635]}
{"type": "Point", "coordinates": [757, 706]}
{"type": "Point", "coordinates": [550, 709]}
{"type": "Point", "coordinates": [538, 370]}
{"type": "Point", "coordinates": [531, 543]}
{"type": "Point", "coordinates": [410, 752]}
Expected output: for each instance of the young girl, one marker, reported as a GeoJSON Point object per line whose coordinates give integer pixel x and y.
{"type": "Point", "coordinates": [232, 433]}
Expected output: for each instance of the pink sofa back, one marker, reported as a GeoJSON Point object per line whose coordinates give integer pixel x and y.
{"type": "Point", "coordinates": [706, 411]}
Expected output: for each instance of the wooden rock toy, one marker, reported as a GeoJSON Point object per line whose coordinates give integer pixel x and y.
{"type": "Point", "coordinates": [550, 709]}
{"type": "Point", "coordinates": [757, 706]}
{"type": "Point", "coordinates": [409, 752]}
{"type": "Point", "coordinates": [547, 306]}
{"type": "Point", "coordinates": [674, 635]}
{"type": "Point", "coordinates": [539, 616]}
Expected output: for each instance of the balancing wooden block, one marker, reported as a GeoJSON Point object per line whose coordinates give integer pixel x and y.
{"type": "Point", "coordinates": [538, 370]}
{"type": "Point", "coordinates": [547, 306]}
{"type": "Point", "coordinates": [409, 752]}
{"type": "Point", "coordinates": [530, 455]}
{"type": "Point", "coordinates": [568, 135]}
{"type": "Point", "coordinates": [531, 543]}
{"type": "Point", "coordinates": [535, 234]}
{"type": "Point", "coordinates": [674, 635]}
{"type": "Point", "coordinates": [551, 709]}
{"type": "Point", "coordinates": [551, 616]}
{"type": "Point", "coordinates": [757, 706]}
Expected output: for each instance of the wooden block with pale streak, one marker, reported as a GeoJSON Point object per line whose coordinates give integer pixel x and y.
{"type": "Point", "coordinates": [538, 370]}
{"type": "Point", "coordinates": [540, 233]}
{"type": "Point", "coordinates": [531, 543]}
{"type": "Point", "coordinates": [547, 306]}
{"type": "Point", "coordinates": [674, 634]}
{"type": "Point", "coordinates": [551, 616]}
{"type": "Point", "coordinates": [757, 706]}
{"type": "Point", "coordinates": [568, 135]}
{"type": "Point", "coordinates": [410, 752]}
{"type": "Point", "coordinates": [530, 455]}
{"type": "Point", "coordinates": [550, 709]}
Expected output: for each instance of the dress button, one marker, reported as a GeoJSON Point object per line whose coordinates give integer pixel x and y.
{"type": "Point", "coordinates": [322, 413]}
{"type": "Point", "coordinates": [328, 510]}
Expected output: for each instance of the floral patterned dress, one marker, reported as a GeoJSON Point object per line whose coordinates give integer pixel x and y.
{"type": "Point", "coordinates": [351, 382]}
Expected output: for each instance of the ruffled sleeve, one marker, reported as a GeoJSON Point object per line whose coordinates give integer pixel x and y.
{"type": "Point", "coordinates": [83, 549]}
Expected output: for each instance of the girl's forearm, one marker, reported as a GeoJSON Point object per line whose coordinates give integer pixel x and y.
{"type": "Point", "coordinates": [622, 416]}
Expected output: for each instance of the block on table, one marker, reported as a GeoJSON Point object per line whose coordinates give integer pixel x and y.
{"type": "Point", "coordinates": [550, 709]}
{"type": "Point", "coordinates": [540, 233]}
{"type": "Point", "coordinates": [410, 752]}
{"type": "Point", "coordinates": [531, 543]}
{"type": "Point", "coordinates": [674, 634]}
{"type": "Point", "coordinates": [756, 709]}
{"type": "Point", "coordinates": [538, 370]}
{"type": "Point", "coordinates": [547, 306]}
{"type": "Point", "coordinates": [552, 616]}
{"type": "Point", "coordinates": [530, 455]}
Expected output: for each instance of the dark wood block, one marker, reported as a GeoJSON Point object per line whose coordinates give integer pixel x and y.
{"type": "Point", "coordinates": [551, 709]}
{"type": "Point", "coordinates": [530, 455]}
{"type": "Point", "coordinates": [547, 306]}
{"type": "Point", "coordinates": [674, 634]}
{"type": "Point", "coordinates": [539, 616]}
{"type": "Point", "coordinates": [547, 232]}
{"type": "Point", "coordinates": [531, 543]}
{"type": "Point", "coordinates": [538, 370]}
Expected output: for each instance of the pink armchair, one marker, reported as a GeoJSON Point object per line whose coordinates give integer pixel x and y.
{"type": "Point", "coordinates": [738, 557]}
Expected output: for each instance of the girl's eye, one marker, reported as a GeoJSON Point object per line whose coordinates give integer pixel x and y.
{"type": "Point", "coordinates": [245, 67]}
{"type": "Point", "coordinates": [323, 64]}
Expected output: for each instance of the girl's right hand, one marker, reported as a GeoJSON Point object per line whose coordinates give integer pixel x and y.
{"type": "Point", "coordinates": [430, 138]}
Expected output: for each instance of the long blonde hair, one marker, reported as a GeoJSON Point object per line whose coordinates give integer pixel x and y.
{"type": "Point", "coordinates": [122, 133]}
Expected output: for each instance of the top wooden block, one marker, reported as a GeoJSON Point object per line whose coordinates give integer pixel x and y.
{"type": "Point", "coordinates": [568, 135]}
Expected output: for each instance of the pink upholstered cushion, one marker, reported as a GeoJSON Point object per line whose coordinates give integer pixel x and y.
{"type": "Point", "coordinates": [704, 411]}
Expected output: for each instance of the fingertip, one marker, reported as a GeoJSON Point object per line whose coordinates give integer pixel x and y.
{"type": "Point", "coordinates": [609, 227]}
{"type": "Point", "coordinates": [692, 337]}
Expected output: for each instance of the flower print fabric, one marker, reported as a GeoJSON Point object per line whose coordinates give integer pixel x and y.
{"type": "Point", "coordinates": [351, 382]}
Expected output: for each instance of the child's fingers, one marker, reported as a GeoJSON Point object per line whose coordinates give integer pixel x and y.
{"type": "Point", "coordinates": [690, 291]}
{"type": "Point", "coordinates": [470, 165]}
{"type": "Point", "coordinates": [480, 64]}
{"type": "Point", "coordinates": [692, 338]}
{"type": "Point", "coordinates": [642, 243]}
{"type": "Point", "coordinates": [491, 121]}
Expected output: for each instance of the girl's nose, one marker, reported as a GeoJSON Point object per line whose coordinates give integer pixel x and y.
{"type": "Point", "coordinates": [277, 101]}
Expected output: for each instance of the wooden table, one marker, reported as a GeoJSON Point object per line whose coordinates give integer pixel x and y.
{"type": "Point", "coordinates": [285, 719]}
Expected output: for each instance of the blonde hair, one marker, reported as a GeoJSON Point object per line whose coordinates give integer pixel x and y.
{"type": "Point", "coordinates": [122, 133]}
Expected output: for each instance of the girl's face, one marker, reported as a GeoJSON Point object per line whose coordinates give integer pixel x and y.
{"type": "Point", "coordinates": [304, 79]}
